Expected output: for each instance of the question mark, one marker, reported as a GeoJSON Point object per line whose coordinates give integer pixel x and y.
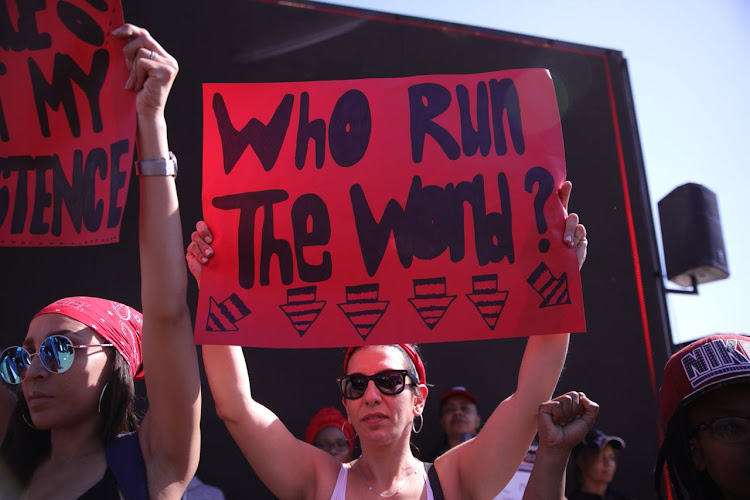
{"type": "Point", "coordinates": [539, 175]}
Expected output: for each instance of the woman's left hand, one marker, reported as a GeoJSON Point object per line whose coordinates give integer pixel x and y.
{"type": "Point", "coordinates": [152, 69]}
{"type": "Point", "coordinates": [574, 234]}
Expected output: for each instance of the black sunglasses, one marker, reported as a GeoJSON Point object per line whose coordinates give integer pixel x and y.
{"type": "Point", "coordinates": [726, 429]}
{"type": "Point", "coordinates": [388, 382]}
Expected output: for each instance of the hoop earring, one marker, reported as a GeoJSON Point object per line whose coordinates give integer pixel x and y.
{"type": "Point", "coordinates": [345, 433]}
{"type": "Point", "coordinates": [101, 396]}
{"type": "Point", "coordinates": [421, 424]}
{"type": "Point", "coordinates": [27, 419]}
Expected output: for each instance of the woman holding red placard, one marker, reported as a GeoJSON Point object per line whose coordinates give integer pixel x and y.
{"type": "Point", "coordinates": [72, 433]}
{"type": "Point", "coordinates": [384, 413]}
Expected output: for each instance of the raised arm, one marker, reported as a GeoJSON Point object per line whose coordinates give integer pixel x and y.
{"type": "Point", "coordinates": [170, 432]}
{"type": "Point", "coordinates": [481, 467]}
{"type": "Point", "coordinates": [290, 468]}
{"type": "Point", "coordinates": [563, 423]}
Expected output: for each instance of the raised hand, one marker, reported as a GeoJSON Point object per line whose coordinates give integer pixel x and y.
{"type": "Point", "coordinates": [152, 69]}
{"type": "Point", "coordinates": [564, 421]}
{"type": "Point", "coordinates": [199, 251]}
{"type": "Point", "coordinates": [574, 234]}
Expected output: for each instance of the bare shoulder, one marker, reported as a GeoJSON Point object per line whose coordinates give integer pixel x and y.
{"type": "Point", "coordinates": [447, 467]}
{"type": "Point", "coordinates": [327, 474]}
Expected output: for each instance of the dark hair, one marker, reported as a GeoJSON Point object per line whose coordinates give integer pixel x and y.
{"type": "Point", "coordinates": [25, 447]}
{"type": "Point", "coordinates": [687, 482]}
{"type": "Point", "coordinates": [411, 369]}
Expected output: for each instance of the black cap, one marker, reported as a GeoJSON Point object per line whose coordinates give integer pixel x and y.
{"type": "Point", "coordinates": [596, 439]}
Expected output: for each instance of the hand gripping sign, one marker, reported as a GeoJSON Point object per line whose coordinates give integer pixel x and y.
{"type": "Point", "coordinates": [419, 209]}
{"type": "Point", "coordinates": [66, 123]}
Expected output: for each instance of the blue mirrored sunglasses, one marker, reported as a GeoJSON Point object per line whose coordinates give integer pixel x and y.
{"type": "Point", "coordinates": [56, 353]}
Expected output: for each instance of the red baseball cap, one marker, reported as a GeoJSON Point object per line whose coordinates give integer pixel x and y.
{"type": "Point", "coordinates": [458, 390]}
{"type": "Point", "coordinates": [704, 365]}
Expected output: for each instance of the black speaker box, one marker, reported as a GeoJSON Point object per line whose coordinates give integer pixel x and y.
{"type": "Point", "coordinates": [691, 236]}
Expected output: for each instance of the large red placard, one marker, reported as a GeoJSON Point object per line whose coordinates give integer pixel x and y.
{"type": "Point", "coordinates": [418, 209]}
{"type": "Point", "coordinates": [67, 124]}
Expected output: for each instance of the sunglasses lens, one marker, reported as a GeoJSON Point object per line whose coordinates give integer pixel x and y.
{"type": "Point", "coordinates": [390, 383]}
{"type": "Point", "coordinates": [731, 429]}
{"type": "Point", "coordinates": [57, 353]}
{"type": "Point", "coordinates": [355, 386]}
{"type": "Point", "coordinates": [14, 361]}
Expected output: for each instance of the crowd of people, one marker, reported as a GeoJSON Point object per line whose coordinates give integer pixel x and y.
{"type": "Point", "coordinates": [68, 428]}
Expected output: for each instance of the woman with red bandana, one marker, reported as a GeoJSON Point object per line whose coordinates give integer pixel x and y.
{"type": "Point", "coordinates": [384, 391]}
{"type": "Point", "coordinates": [74, 433]}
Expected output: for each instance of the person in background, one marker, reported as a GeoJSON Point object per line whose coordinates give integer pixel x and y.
{"type": "Point", "coordinates": [705, 402]}
{"type": "Point", "coordinates": [596, 464]}
{"type": "Point", "coordinates": [329, 431]}
{"type": "Point", "coordinates": [459, 418]}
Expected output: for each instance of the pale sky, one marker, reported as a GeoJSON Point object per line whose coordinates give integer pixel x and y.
{"type": "Point", "coordinates": [689, 72]}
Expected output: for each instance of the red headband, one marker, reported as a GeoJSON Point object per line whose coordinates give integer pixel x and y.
{"type": "Point", "coordinates": [329, 417]}
{"type": "Point", "coordinates": [409, 350]}
{"type": "Point", "coordinates": [117, 323]}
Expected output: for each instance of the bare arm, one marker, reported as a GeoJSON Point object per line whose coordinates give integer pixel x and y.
{"type": "Point", "coordinates": [563, 423]}
{"type": "Point", "coordinates": [170, 433]}
{"type": "Point", "coordinates": [481, 467]}
{"type": "Point", "coordinates": [290, 468]}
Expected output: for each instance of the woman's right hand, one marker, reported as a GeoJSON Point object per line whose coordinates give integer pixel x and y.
{"type": "Point", "coordinates": [199, 251]}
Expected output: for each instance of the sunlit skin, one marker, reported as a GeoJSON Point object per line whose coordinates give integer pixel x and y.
{"type": "Point", "coordinates": [333, 441]}
{"type": "Point", "coordinates": [459, 416]}
{"type": "Point", "coordinates": [376, 417]}
{"type": "Point", "coordinates": [598, 469]}
{"type": "Point", "coordinates": [728, 464]}
{"type": "Point", "coordinates": [61, 401]}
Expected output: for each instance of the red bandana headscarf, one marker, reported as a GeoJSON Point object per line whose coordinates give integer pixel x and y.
{"type": "Point", "coordinates": [119, 324]}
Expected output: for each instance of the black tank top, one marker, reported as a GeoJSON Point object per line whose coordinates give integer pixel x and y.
{"type": "Point", "coordinates": [105, 489]}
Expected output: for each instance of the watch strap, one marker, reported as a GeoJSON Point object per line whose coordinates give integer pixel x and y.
{"type": "Point", "coordinates": [157, 166]}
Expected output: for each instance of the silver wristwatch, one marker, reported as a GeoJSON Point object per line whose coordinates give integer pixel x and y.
{"type": "Point", "coordinates": [157, 166]}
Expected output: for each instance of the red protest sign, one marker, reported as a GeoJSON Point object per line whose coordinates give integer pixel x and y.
{"type": "Point", "coordinates": [418, 209]}
{"type": "Point", "coordinates": [67, 124]}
